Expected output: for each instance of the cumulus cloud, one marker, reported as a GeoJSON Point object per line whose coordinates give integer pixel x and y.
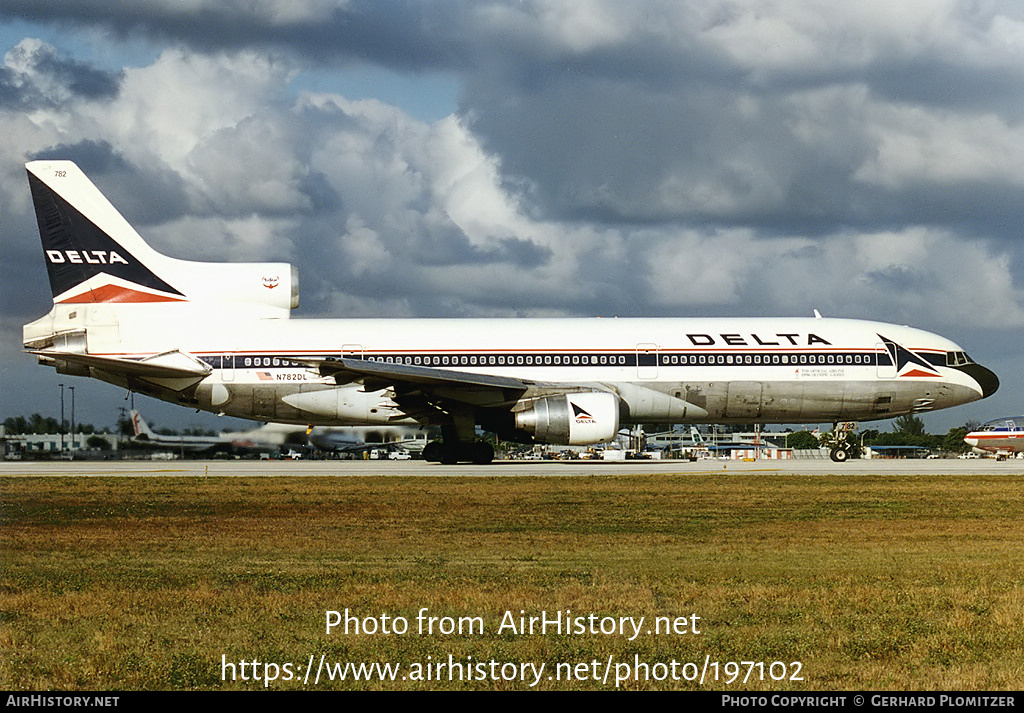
{"type": "Point", "coordinates": [214, 157]}
{"type": "Point", "coordinates": [34, 75]}
{"type": "Point", "coordinates": [915, 145]}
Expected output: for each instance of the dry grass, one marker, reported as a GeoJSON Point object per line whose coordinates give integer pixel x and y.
{"type": "Point", "coordinates": [871, 582]}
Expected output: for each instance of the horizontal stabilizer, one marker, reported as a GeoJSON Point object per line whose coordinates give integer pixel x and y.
{"type": "Point", "coordinates": [172, 364]}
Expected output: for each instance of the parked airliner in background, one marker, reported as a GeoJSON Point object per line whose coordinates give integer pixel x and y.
{"type": "Point", "coordinates": [1004, 436]}
{"type": "Point", "coordinates": [359, 439]}
{"type": "Point", "coordinates": [218, 337]}
{"type": "Point", "coordinates": [272, 437]}
{"type": "Point", "coordinates": [143, 434]}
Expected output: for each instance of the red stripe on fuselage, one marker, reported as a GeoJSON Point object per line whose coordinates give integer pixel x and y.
{"type": "Point", "coordinates": [918, 372]}
{"type": "Point", "coordinates": [113, 293]}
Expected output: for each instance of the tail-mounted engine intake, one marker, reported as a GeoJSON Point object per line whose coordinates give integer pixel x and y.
{"type": "Point", "coordinates": [576, 419]}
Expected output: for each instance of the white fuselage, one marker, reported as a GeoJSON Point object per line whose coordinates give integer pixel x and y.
{"type": "Point", "coordinates": [664, 370]}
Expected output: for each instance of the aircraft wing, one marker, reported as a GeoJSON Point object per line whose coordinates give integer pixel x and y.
{"type": "Point", "coordinates": [423, 392]}
{"type": "Point", "coordinates": [379, 374]}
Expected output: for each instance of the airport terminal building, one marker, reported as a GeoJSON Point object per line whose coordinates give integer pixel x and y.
{"type": "Point", "coordinates": [52, 445]}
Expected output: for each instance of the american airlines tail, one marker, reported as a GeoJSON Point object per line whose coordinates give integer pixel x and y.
{"type": "Point", "coordinates": [93, 255]}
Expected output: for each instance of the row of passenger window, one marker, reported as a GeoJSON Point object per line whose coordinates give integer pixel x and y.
{"type": "Point", "coordinates": [264, 361]}
{"type": "Point", "coordinates": [758, 359]}
{"type": "Point", "coordinates": [596, 360]}
{"type": "Point", "coordinates": [519, 360]}
{"type": "Point", "coordinates": [612, 360]}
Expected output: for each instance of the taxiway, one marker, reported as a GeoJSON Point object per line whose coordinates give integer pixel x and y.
{"type": "Point", "coordinates": [353, 468]}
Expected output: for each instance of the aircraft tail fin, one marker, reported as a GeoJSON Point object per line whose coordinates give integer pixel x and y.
{"type": "Point", "coordinates": [94, 255]}
{"type": "Point", "coordinates": [140, 428]}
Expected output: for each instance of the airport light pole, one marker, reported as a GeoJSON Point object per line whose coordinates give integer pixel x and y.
{"type": "Point", "coordinates": [72, 388]}
{"type": "Point", "coordinates": [61, 417]}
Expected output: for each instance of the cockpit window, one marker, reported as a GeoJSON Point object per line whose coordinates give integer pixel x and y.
{"type": "Point", "coordinates": [958, 359]}
{"type": "Point", "coordinates": [1000, 425]}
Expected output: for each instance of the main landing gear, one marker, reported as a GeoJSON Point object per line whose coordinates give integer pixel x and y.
{"type": "Point", "coordinates": [450, 453]}
{"type": "Point", "coordinates": [459, 444]}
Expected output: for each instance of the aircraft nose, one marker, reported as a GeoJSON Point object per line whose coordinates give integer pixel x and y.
{"type": "Point", "coordinates": [986, 379]}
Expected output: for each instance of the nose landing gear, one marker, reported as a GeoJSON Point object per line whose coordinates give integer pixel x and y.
{"type": "Point", "coordinates": [839, 455]}
{"type": "Point", "coordinates": [842, 449]}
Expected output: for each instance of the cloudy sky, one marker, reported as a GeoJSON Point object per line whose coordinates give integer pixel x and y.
{"type": "Point", "coordinates": [753, 158]}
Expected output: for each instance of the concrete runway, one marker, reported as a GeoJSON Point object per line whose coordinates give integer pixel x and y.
{"type": "Point", "coordinates": [350, 468]}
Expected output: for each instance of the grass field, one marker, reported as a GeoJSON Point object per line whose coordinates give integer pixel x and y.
{"type": "Point", "coordinates": [869, 582]}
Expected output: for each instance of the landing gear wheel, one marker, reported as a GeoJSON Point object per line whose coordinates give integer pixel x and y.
{"type": "Point", "coordinates": [433, 451]}
{"type": "Point", "coordinates": [840, 455]}
{"type": "Point", "coordinates": [449, 455]}
{"type": "Point", "coordinates": [481, 453]}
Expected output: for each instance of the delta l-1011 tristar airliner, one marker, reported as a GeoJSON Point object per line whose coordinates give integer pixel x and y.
{"type": "Point", "coordinates": [218, 337]}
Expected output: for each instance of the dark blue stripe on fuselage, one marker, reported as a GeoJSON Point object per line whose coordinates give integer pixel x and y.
{"type": "Point", "coordinates": [576, 359]}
